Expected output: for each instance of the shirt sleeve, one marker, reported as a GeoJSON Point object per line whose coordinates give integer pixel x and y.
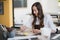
{"type": "Point", "coordinates": [27, 21]}
{"type": "Point", "coordinates": [50, 23]}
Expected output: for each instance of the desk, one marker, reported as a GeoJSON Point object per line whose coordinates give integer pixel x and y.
{"type": "Point", "coordinates": [22, 37]}
{"type": "Point", "coordinates": [28, 35]}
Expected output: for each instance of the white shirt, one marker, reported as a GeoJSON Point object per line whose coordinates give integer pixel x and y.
{"type": "Point", "coordinates": [48, 23]}
{"type": "Point", "coordinates": [37, 21]}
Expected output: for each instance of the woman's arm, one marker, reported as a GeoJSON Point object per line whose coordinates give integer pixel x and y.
{"type": "Point", "coordinates": [22, 28]}
{"type": "Point", "coordinates": [35, 31]}
{"type": "Point", "coordinates": [51, 24]}
{"type": "Point", "coordinates": [26, 22]}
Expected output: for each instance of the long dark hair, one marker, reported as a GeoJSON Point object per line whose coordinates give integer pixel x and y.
{"type": "Point", "coordinates": [40, 14]}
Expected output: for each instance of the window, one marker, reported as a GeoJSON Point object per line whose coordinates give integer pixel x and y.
{"type": "Point", "coordinates": [20, 3]}
{"type": "Point", "coordinates": [1, 7]}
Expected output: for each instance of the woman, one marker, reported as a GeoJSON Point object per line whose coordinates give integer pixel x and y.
{"type": "Point", "coordinates": [41, 21]}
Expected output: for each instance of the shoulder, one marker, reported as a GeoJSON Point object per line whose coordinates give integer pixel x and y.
{"type": "Point", "coordinates": [29, 17]}
{"type": "Point", "coordinates": [47, 16]}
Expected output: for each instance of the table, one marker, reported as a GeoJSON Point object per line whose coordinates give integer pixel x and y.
{"type": "Point", "coordinates": [23, 37]}
{"type": "Point", "coordinates": [28, 33]}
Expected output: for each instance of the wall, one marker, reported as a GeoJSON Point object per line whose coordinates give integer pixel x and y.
{"type": "Point", "coordinates": [7, 18]}
{"type": "Point", "coordinates": [50, 6]}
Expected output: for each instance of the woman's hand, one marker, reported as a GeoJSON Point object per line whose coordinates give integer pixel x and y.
{"type": "Point", "coordinates": [22, 28]}
{"type": "Point", "coordinates": [35, 31]}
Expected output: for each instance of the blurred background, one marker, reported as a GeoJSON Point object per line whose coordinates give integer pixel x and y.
{"type": "Point", "coordinates": [13, 13]}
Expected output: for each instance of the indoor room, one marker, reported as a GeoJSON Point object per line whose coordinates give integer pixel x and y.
{"type": "Point", "coordinates": [29, 19]}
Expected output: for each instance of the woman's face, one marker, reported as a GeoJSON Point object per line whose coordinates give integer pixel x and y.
{"type": "Point", "coordinates": [35, 10]}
